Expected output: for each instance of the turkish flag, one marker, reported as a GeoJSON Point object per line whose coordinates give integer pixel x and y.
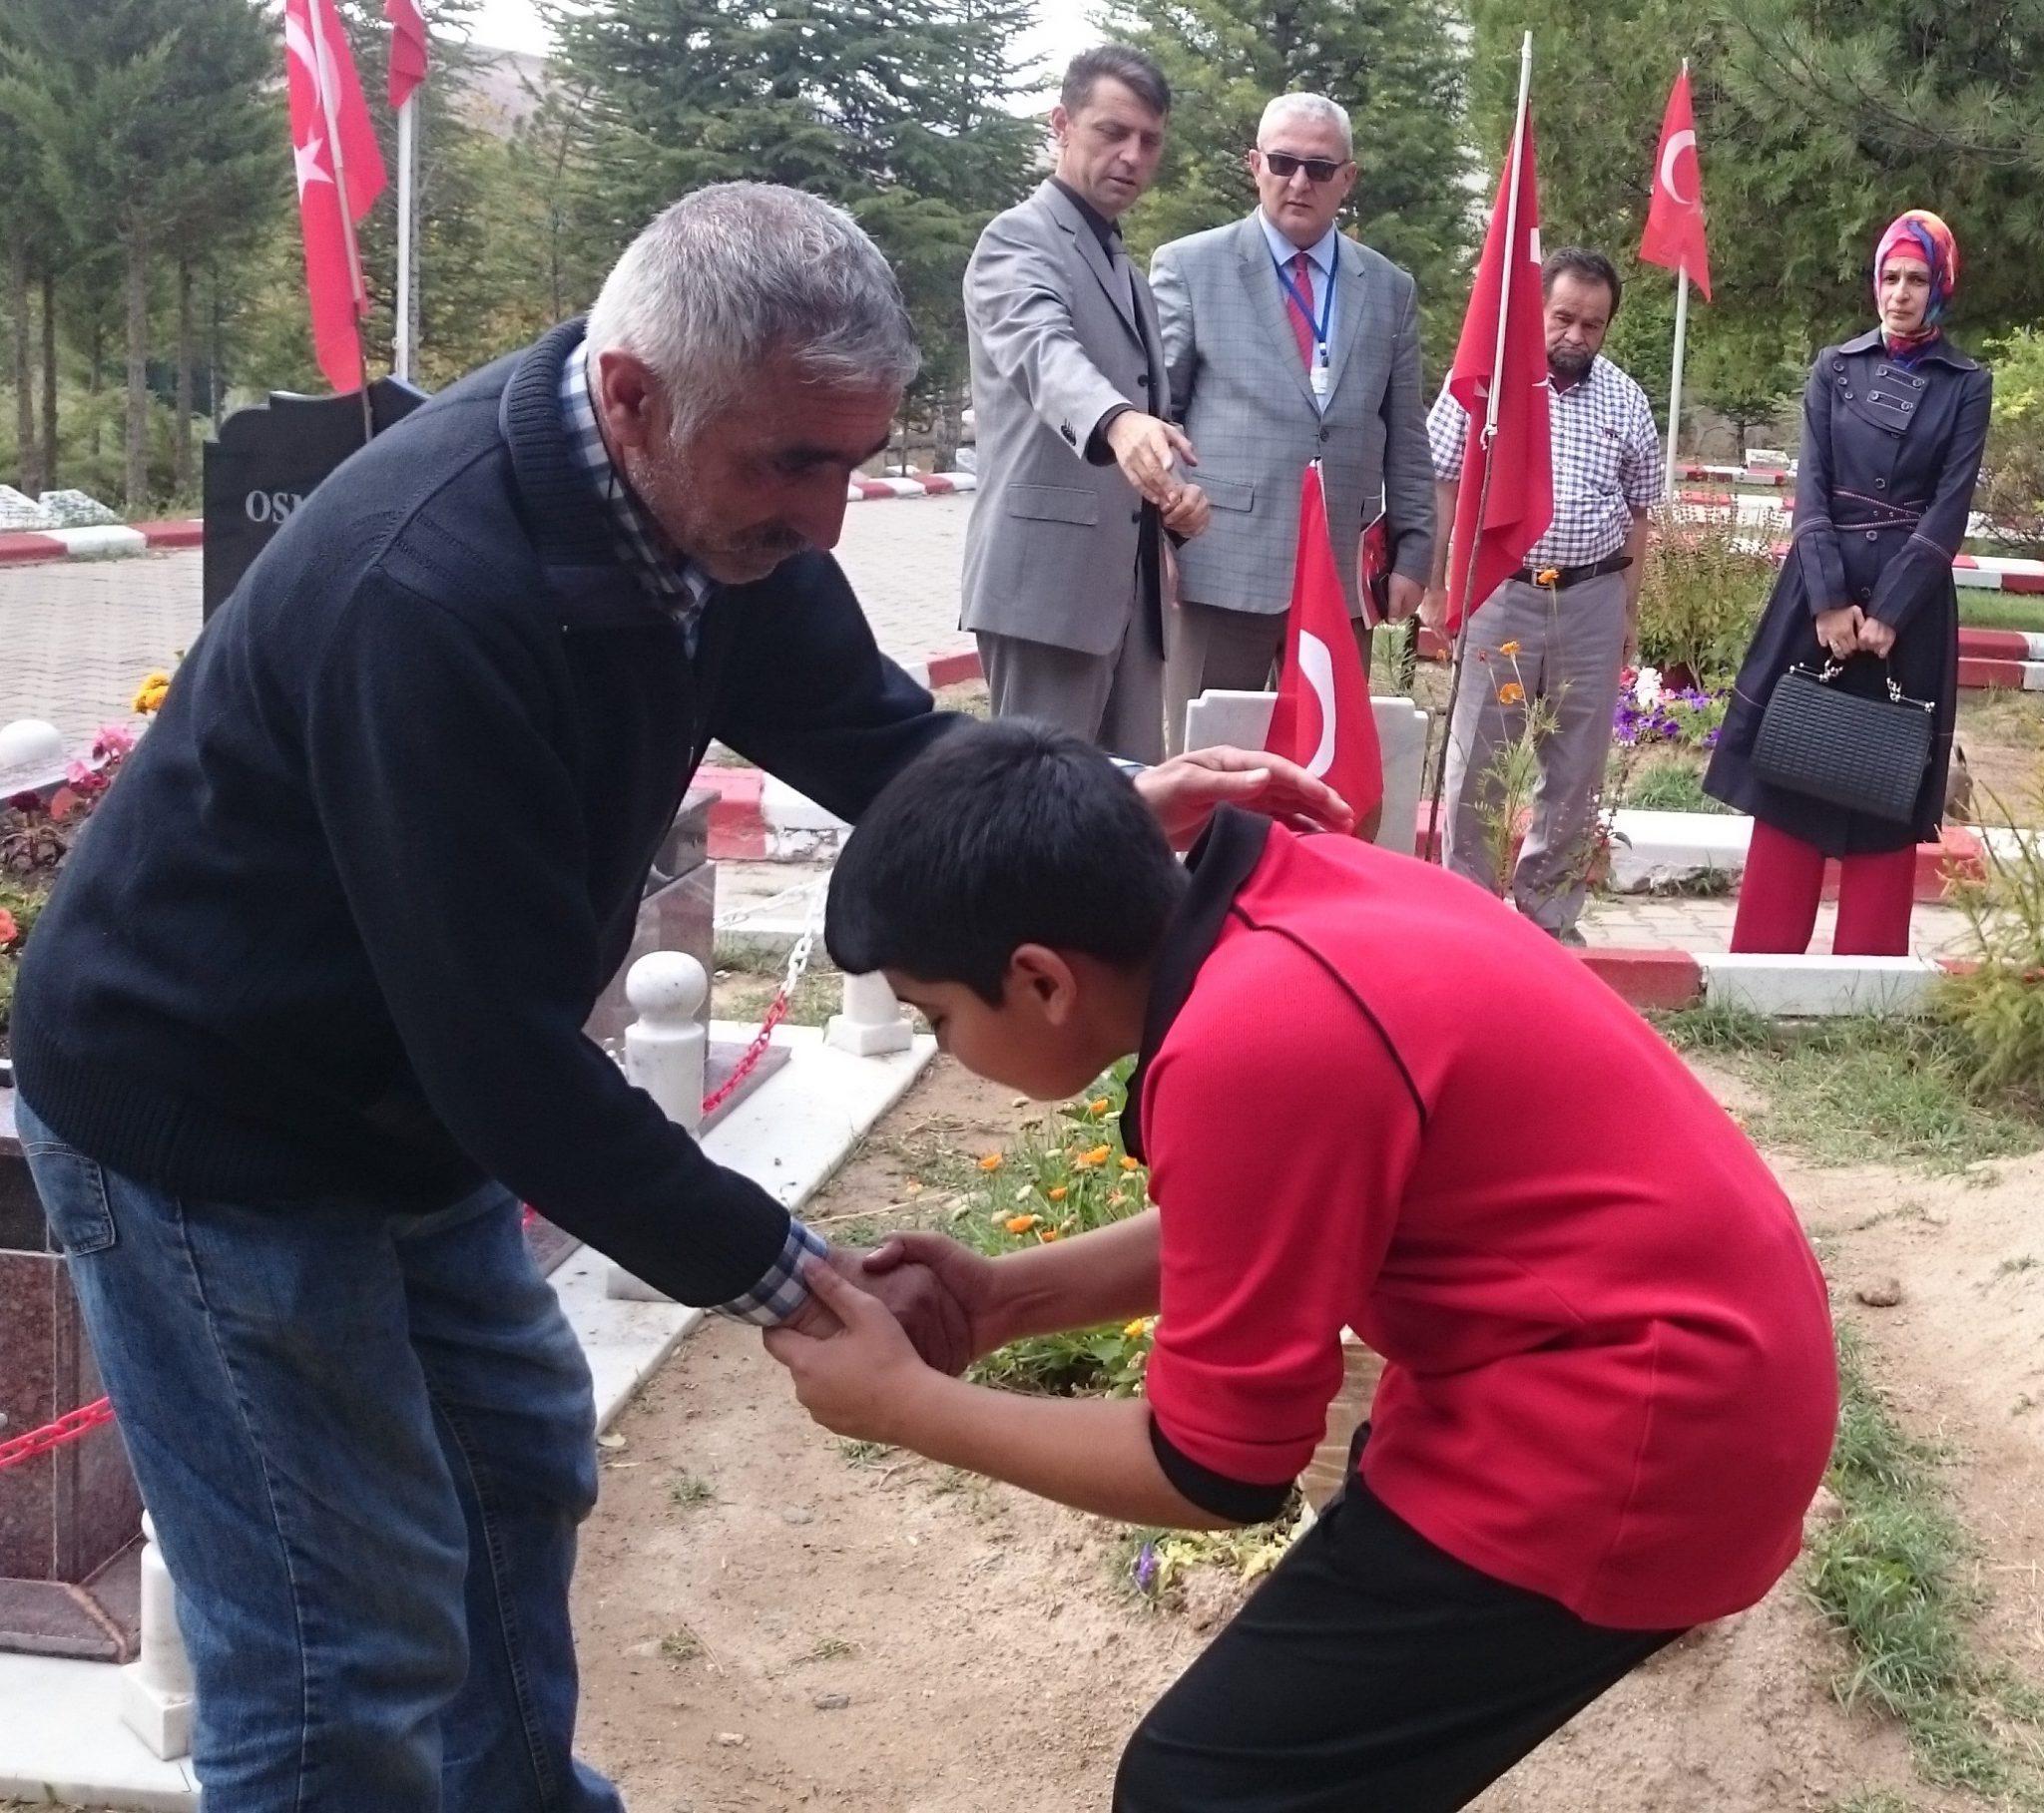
{"type": "Point", "coordinates": [334, 147]}
{"type": "Point", "coordinates": [1675, 222]}
{"type": "Point", "coordinates": [407, 49]}
{"type": "Point", "coordinates": [1520, 501]}
{"type": "Point", "coordinates": [1373, 571]}
{"type": "Point", "coordinates": [1322, 720]}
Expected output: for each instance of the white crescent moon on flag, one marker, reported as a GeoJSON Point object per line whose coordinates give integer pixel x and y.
{"type": "Point", "coordinates": [1676, 146]}
{"type": "Point", "coordinates": [1316, 664]}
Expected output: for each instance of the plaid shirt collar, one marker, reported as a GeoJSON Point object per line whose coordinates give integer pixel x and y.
{"type": "Point", "coordinates": [677, 584]}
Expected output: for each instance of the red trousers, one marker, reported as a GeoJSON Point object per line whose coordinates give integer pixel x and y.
{"type": "Point", "coordinates": [1785, 878]}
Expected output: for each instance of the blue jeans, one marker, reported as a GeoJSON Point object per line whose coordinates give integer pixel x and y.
{"type": "Point", "coordinates": [366, 1439]}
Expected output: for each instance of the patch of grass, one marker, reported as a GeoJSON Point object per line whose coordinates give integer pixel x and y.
{"type": "Point", "coordinates": [1668, 783]}
{"type": "Point", "coordinates": [863, 1453]}
{"type": "Point", "coordinates": [2008, 1268]}
{"type": "Point", "coordinates": [749, 975]}
{"type": "Point", "coordinates": [1874, 1800]}
{"type": "Point", "coordinates": [682, 1645]}
{"type": "Point", "coordinates": [1862, 1091]}
{"type": "Point", "coordinates": [1153, 1564]}
{"type": "Point", "coordinates": [831, 1650]}
{"type": "Point", "coordinates": [1888, 1577]}
{"type": "Point", "coordinates": [1980, 608]}
{"type": "Point", "coordinates": [686, 1488]}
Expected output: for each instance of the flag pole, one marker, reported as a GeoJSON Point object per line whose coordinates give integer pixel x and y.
{"type": "Point", "coordinates": [329, 82]}
{"type": "Point", "coordinates": [1434, 829]}
{"type": "Point", "coordinates": [401, 346]}
{"type": "Point", "coordinates": [1674, 376]}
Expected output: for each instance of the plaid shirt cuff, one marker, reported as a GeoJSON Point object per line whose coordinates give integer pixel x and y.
{"type": "Point", "coordinates": [781, 1292]}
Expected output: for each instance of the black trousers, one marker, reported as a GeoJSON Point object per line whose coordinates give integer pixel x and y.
{"type": "Point", "coordinates": [1370, 1674]}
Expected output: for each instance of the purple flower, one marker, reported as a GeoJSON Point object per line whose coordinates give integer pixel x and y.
{"type": "Point", "coordinates": [1146, 1567]}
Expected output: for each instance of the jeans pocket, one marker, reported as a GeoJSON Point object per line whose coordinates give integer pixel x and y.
{"type": "Point", "coordinates": [73, 1190]}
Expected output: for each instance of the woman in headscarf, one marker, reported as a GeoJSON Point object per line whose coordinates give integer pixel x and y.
{"type": "Point", "coordinates": [1894, 425]}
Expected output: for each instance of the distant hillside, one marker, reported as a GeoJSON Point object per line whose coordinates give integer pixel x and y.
{"type": "Point", "coordinates": [504, 89]}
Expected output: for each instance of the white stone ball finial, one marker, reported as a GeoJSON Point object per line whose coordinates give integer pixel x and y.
{"type": "Point", "coordinates": [667, 1050]}
{"type": "Point", "coordinates": [665, 985]}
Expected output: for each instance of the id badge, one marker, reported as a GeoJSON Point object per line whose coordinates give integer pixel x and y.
{"type": "Point", "coordinates": [1321, 379]}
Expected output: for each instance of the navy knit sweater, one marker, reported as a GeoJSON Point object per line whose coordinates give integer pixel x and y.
{"type": "Point", "coordinates": [334, 932]}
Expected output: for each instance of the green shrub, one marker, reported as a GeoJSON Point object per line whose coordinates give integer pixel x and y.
{"type": "Point", "coordinates": [1996, 1005]}
{"type": "Point", "coordinates": [1701, 596]}
{"type": "Point", "coordinates": [2010, 496]}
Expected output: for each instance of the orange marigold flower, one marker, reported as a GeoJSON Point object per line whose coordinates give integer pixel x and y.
{"type": "Point", "coordinates": [1100, 1155]}
{"type": "Point", "coordinates": [1511, 648]}
{"type": "Point", "coordinates": [1548, 576]}
{"type": "Point", "coordinates": [1511, 694]}
{"type": "Point", "coordinates": [1057, 1192]}
{"type": "Point", "coordinates": [992, 1161]}
{"type": "Point", "coordinates": [9, 931]}
{"type": "Point", "coordinates": [1100, 1105]}
{"type": "Point", "coordinates": [1021, 1224]}
{"type": "Point", "coordinates": [1049, 1234]}
{"type": "Point", "coordinates": [1141, 1326]}
{"type": "Point", "coordinates": [1129, 1163]}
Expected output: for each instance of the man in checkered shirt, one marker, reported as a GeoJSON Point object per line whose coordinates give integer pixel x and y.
{"type": "Point", "coordinates": [1560, 629]}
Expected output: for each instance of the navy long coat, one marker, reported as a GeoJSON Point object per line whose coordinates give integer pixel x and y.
{"type": "Point", "coordinates": [1883, 487]}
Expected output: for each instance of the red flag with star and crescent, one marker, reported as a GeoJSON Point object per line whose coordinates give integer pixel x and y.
{"type": "Point", "coordinates": [1675, 220]}
{"type": "Point", "coordinates": [1322, 718]}
{"type": "Point", "coordinates": [1518, 502]}
{"type": "Point", "coordinates": [333, 146]}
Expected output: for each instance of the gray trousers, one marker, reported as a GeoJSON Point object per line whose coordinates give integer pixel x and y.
{"type": "Point", "coordinates": [1115, 700]}
{"type": "Point", "coordinates": [1210, 648]}
{"type": "Point", "coordinates": [1571, 645]}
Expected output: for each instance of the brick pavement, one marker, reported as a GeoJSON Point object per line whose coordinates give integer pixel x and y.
{"type": "Point", "coordinates": [77, 635]}
{"type": "Point", "coordinates": [1648, 922]}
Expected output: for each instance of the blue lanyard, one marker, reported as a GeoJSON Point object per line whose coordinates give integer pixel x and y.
{"type": "Point", "coordinates": [1306, 304]}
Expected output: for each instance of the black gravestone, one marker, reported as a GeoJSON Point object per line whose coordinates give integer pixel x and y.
{"type": "Point", "coordinates": [266, 461]}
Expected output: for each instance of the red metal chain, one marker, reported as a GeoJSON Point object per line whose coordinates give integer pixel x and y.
{"type": "Point", "coordinates": [777, 1011]}
{"type": "Point", "coordinates": [67, 1427]}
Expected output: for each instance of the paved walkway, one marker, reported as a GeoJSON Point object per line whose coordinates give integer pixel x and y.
{"type": "Point", "coordinates": [1646, 922]}
{"type": "Point", "coordinates": [76, 637]}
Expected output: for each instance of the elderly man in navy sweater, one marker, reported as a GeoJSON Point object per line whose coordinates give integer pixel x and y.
{"type": "Point", "coordinates": [303, 1021]}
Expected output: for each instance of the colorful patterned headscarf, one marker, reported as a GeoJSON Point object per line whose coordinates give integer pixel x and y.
{"type": "Point", "coordinates": [1919, 233]}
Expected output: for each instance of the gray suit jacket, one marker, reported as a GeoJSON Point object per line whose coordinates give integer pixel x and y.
{"type": "Point", "coordinates": [1050, 552]}
{"type": "Point", "coordinates": [1240, 387]}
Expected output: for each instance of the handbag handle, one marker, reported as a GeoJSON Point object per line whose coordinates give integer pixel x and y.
{"type": "Point", "coordinates": [1833, 668]}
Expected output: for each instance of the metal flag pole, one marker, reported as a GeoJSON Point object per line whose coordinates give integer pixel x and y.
{"type": "Point", "coordinates": [1680, 338]}
{"type": "Point", "coordinates": [329, 84]}
{"type": "Point", "coordinates": [1435, 832]}
{"type": "Point", "coordinates": [401, 346]}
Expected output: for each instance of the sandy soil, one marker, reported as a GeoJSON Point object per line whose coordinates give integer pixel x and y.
{"type": "Point", "coordinates": [768, 1621]}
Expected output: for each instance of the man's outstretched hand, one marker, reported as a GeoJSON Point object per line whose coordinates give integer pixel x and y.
{"type": "Point", "coordinates": [917, 1296]}
{"type": "Point", "coordinates": [1183, 791]}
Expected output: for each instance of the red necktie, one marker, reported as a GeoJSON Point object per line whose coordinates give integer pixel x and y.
{"type": "Point", "coordinates": [1301, 284]}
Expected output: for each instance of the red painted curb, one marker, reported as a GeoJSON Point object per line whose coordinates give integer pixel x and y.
{"type": "Point", "coordinates": [182, 532]}
{"type": "Point", "coordinates": [1648, 979]}
{"type": "Point", "coordinates": [1975, 671]}
{"type": "Point", "coordinates": [17, 547]}
{"type": "Point", "coordinates": [938, 485]}
{"type": "Point", "coordinates": [2031, 583]}
{"type": "Point", "coordinates": [951, 670]}
{"type": "Point", "coordinates": [872, 488]}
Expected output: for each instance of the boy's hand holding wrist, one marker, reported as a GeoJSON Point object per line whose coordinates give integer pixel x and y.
{"type": "Point", "coordinates": [978, 1285]}
{"type": "Point", "coordinates": [865, 1379]}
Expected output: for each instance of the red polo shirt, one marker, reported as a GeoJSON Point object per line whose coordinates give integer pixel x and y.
{"type": "Point", "coordinates": [1370, 1095]}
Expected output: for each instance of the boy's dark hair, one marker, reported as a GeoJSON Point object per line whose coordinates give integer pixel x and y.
{"type": "Point", "coordinates": [1135, 70]}
{"type": "Point", "coordinates": [1580, 262]}
{"type": "Point", "coordinates": [996, 836]}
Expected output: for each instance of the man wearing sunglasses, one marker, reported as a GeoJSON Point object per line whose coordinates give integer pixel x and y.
{"type": "Point", "coordinates": [1287, 342]}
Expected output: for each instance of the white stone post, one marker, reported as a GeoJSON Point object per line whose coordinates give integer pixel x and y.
{"type": "Point", "coordinates": [871, 1022]}
{"type": "Point", "coordinates": [666, 1048]}
{"type": "Point", "coordinates": [155, 1688]}
{"type": "Point", "coordinates": [667, 1053]}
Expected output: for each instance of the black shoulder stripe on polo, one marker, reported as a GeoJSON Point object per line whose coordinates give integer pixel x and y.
{"type": "Point", "coordinates": [1239, 1501]}
{"type": "Point", "coordinates": [1362, 1006]}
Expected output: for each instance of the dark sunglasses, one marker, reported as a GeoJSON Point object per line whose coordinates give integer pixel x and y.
{"type": "Point", "coordinates": [1282, 164]}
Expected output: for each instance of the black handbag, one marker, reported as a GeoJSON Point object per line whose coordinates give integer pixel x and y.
{"type": "Point", "coordinates": [1864, 755]}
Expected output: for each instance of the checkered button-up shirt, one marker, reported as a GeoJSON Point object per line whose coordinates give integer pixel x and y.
{"type": "Point", "coordinates": [1606, 454]}
{"type": "Point", "coordinates": [683, 590]}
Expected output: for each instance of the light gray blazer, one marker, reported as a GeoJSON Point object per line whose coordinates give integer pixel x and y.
{"type": "Point", "coordinates": [1050, 552]}
{"type": "Point", "coordinates": [1239, 388]}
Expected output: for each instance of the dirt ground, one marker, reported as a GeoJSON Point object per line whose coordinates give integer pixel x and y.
{"type": "Point", "coordinates": [772, 1621]}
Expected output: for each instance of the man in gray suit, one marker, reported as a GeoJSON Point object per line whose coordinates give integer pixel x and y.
{"type": "Point", "coordinates": [1079, 473]}
{"type": "Point", "coordinates": [1287, 342]}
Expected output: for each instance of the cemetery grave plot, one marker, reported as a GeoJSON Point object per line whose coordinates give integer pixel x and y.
{"type": "Point", "coordinates": [773, 1618]}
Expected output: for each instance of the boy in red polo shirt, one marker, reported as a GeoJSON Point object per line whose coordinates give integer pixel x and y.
{"type": "Point", "coordinates": [1372, 1098]}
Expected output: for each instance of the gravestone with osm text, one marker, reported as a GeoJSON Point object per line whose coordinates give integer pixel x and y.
{"type": "Point", "coordinates": [266, 462]}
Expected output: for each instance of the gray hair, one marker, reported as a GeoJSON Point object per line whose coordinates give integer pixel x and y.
{"type": "Point", "coordinates": [741, 273]}
{"type": "Point", "coordinates": [1315, 110]}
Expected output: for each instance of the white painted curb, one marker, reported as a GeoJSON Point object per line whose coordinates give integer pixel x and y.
{"type": "Point", "coordinates": [1803, 988]}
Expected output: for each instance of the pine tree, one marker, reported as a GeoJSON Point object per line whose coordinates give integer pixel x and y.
{"type": "Point", "coordinates": [893, 109]}
{"type": "Point", "coordinates": [1396, 65]}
